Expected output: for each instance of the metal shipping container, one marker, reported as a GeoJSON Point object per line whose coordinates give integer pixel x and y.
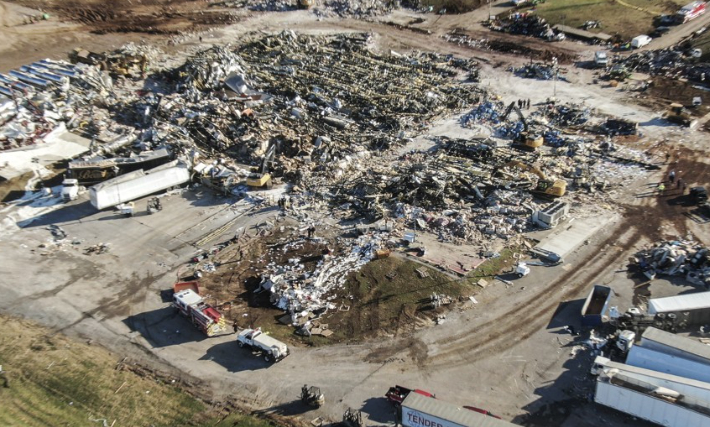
{"type": "Point", "coordinates": [693, 309]}
{"type": "Point", "coordinates": [423, 411]}
{"type": "Point", "coordinates": [648, 407]}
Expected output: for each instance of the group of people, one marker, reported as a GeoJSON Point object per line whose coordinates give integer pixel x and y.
{"type": "Point", "coordinates": [524, 103]}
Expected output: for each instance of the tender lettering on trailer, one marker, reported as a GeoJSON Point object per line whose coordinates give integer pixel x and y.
{"type": "Point", "coordinates": [412, 418]}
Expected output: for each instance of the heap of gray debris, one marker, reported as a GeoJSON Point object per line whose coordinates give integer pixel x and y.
{"type": "Point", "coordinates": [672, 258]}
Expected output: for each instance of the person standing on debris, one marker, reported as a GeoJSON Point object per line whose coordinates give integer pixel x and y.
{"type": "Point", "coordinates": [311, 231]}
{"type": "Point", "coordinates": [679, 184]}
{"type": "Point", "coordinates": [528, 103]}
{"type": "Point", "coordinates": [684, 187]}
{"type": "Point", "coordinates": [668, 157]}
{"type": "Point", "coordinates": [661, 188]}
{"type": "Point", "coordinates": [671, 176]}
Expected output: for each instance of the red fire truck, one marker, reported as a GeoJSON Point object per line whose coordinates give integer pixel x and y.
{"type": "Point", "coordinates": [690, 11]}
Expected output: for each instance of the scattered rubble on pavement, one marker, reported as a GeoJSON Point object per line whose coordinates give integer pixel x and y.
{"type": "Point", "coordinates": [334, 115]}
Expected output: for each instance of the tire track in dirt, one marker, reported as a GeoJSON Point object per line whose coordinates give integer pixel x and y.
{"type": "Point", "coordinates": [510, 328]}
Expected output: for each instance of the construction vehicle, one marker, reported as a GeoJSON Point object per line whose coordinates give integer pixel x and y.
{"type": "Point", "coordinates": [205, 317]}
{"type": "Point", "coordinates": [523, 141]}
{"type": "Point", "coordinates": [70, 189]}
{"type": "Point", "coordinates": [698, 195]}
{"type": "Point", "coordinates": [83, 56]}
{"type": "Point", "coordinates": [272, 349]}
{"type": "Point", "coordinates": [312, 396]}
{"type": "Point", "coordinates": [679, 115]}
{"type": "Point", "coordinates": [618, 72]}
{"type": "Point", "coordinates": [352, 418]}
{"type": "Point", "coordinates": [396, 395]}
{"type": "Point", "coordinates": [544, 187]}
{"type": "Point", "coordinates": [260, 177]}
{"type": "Point", "coordinates": [116, 63]}
{"type": "Point", "coordinates": [154, 205]}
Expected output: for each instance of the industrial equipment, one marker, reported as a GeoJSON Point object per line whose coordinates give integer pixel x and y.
{"type": "Point", "coordinates": [312, 396]}
{"type": "Point", "coordinates": [523, 141]}
{"type": "Point", "coordinates": [261, 177]}
{"type": "Point", "coordinates": [678, 114]}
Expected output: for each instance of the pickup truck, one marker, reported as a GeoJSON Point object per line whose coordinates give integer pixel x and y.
{"type": "Point", "coordinates": [272, 349]}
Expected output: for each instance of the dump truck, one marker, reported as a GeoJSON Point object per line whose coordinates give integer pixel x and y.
{"type": "Point", "coordinates": [595, 306]}
{"type": "Point", "coordinates": [272, 349]}
{"type": "Point", "coordinates": [205, 317]}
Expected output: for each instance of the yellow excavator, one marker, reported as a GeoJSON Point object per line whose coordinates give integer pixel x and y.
{"type": "Point", "coordinates": [524, 141]}
{"type": "Point", "coordinates": [260, 177]}
{"type": "Point", "coordinates": [545, 187]}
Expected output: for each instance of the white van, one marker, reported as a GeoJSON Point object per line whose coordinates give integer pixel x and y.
{"type": "Point", "coordinates": [640, 41]}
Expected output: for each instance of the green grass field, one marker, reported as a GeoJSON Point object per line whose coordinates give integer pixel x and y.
{"type": "Point", "coordinates": [627, 18]}
{"type": "Point", "coordinates": [55, 381]}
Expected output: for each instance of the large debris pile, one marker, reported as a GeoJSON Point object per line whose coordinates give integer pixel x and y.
{"type": "Point", "coordinates": [527, 24]}
{"type": "Point", "coordinates": [671, 62]}
{"type": "Point", "coordinates": [536, 71]}
{"type": "Point", "coordinates": [342, 8]}
{"type": "Point", "coordinates": [304, 288]}
{"type": "Point", "coordinates": [673, 258]}
{"type": "Point", "coordinates": [316, 98]}
{"type": "Point", "coordinates": [36, 98]}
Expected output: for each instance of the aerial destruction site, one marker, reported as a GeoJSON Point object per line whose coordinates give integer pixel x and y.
{"type": "Point", "coordinates": [293, 213]}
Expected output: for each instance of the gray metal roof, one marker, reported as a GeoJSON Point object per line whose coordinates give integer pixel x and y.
{"type": "Point", "coordinates": [635, 370]}
{"type": "Point", "coordinates": [686, 302]}
{"type": "Point", "coordinates": [451, 412]}
{"type": "Point", "coordinates": [683, 344]}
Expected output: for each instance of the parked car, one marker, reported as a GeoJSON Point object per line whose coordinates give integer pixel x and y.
{"type": "Point", "coordinates": [659, 32]}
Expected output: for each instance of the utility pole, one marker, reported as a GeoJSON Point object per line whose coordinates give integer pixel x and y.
{"type": "Point", "coordinates": [554, 77]}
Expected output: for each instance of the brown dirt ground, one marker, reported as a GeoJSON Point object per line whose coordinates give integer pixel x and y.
{"type": "Point", "coordinates": [386, 297]}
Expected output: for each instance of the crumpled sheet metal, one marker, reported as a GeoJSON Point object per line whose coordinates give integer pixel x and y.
{"type": "Point", "coordinates": [687, 258]}
{"type": "Point", "coordinates": [300, 292]}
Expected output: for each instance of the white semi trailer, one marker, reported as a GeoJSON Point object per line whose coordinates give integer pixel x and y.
{"type": "Point", "coordinates": [137, 184]}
